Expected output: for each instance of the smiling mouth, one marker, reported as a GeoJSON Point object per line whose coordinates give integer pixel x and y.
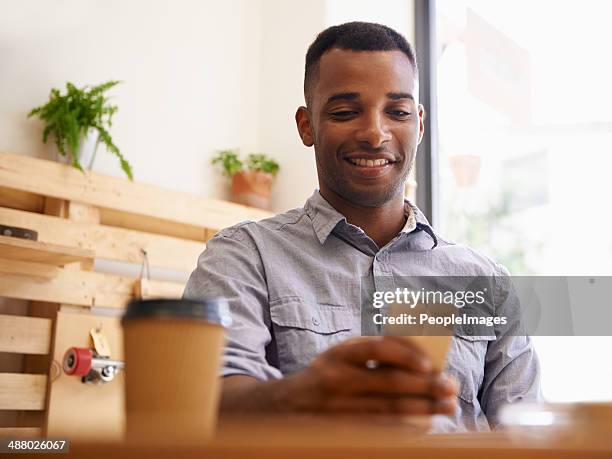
{"type": "Point", "coordinates": [363, 162]}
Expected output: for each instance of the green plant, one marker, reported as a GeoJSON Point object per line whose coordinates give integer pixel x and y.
{"type": "Point", "coordinates": [260, 162]}
{"type": "Point", "coordinates": [232, 164]}
{"type": "Point", "coordinates": [69, 116]}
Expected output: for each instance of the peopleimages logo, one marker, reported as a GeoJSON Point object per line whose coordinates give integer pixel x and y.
{"type": "Point", "coordinates": [412, 298]}
{"type": "Point", "coordinates": [523, 305]}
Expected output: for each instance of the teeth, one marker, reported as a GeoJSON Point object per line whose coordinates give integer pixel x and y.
{"type": "Point", "coordinates": [369, 162]}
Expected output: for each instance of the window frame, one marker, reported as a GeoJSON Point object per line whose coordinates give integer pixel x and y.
{"type": "Point", "coordinates": [426, 165]}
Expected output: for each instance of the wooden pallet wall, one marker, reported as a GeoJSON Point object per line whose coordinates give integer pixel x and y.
{"type": "Point", "coordinates": [81, 217]}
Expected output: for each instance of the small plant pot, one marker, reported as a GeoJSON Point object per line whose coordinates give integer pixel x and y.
{"type": "Point", "coordinates": [252, 188]}
{"type": "Point", "coordinates": [86, 153]}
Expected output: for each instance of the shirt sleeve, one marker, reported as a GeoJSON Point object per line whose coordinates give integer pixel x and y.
{"type": "Point", "coordinates": [512, 369]}
{"type": "Point", "coordinates": [231, 268]}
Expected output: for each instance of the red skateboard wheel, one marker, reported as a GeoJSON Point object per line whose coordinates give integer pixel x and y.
{"type": "Point", "coordinates": [77, 361]}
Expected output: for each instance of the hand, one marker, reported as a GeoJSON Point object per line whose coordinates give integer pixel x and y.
{"type": "Point", "coordinates": [342, 379]}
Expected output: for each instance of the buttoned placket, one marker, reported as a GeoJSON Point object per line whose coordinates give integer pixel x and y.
{"type": "Point", "coordinates": [382, 271]}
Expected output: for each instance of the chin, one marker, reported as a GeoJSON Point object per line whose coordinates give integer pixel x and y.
{"type": "Point", "coordinates": [371, 198]}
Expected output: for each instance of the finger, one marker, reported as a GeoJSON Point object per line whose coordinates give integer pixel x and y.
{"type": "Point", "coordinates": [385, 350]}
{"type": "Point", "coordinates": [389, 405]}
{"type": "Point", "coordinates": [447, 405]}
{"type": "Point", "coordinates": [393, 381]}
{"type": "Point", "coordinates": [449, 386]}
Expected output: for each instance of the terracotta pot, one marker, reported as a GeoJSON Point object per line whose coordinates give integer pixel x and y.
{"type": "Point", "coordinates": [252, 188]}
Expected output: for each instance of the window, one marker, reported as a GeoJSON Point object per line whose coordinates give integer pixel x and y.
{"type": "Point", "coordinates": [525, 153]}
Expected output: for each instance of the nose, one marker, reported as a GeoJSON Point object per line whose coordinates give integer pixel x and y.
{"type": "Point", "coordinates": [373, 131]}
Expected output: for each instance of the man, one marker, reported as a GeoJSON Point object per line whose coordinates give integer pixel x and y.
{"type": "Point", "coordinates": [293, 281]}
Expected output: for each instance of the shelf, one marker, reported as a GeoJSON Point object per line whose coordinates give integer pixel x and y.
{"type": "Point", "coordinates": [125, 201]}
{"type": "Point", "coordinates": [12, 248]}
{"type": "Point", "coordinates": [108, 242]}
{"type": "Point", "coordinates": [43, 282]}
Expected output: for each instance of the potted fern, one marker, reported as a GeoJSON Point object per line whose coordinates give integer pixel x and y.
{"type": "Point", "coordinates": [79, 120]}
{"type": "Point", "coordinates": [251, 182]}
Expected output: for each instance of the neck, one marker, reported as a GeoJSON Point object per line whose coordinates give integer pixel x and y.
{"type": "Point", "coordinates": [380, 223]}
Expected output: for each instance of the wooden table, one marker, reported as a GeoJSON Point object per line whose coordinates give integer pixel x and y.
{"type": "Point", "coordinates": [334, 437]}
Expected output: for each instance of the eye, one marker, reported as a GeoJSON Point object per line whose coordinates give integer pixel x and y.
{"type": "Point", "coordinates": [399, 113]}
{"type": "Point", "coordinates": [343, 114]}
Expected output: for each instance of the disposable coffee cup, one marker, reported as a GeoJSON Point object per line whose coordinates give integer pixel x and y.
{"type": "Point", "coordinates": [173, 351]}
{"type": "Point", "coordinates": [434, 340]}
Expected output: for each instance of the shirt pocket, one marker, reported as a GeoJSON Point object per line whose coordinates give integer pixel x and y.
{"type": "Point", "coordinates": [466, 362]}
{"type": "Point", "coordinates": [302, 330]}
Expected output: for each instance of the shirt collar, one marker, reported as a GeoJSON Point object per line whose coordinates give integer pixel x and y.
{"type": "Point", "coordinates": [325, 218]}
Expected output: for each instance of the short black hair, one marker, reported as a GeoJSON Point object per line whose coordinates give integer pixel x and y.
{"type": "Point", "coordinates": [356, 36]}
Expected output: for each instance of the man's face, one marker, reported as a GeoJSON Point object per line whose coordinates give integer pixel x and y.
{"type": "Point", "coordinates": [365, 124]}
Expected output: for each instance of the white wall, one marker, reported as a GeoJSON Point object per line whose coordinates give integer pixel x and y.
{"type": "Point", "coordinates": [397, 14]}
{"type": "Point", "coordinates": [198, 76]}
{"type": "Point", "coordinates": [190, 72]}
{"type": "Point", "coordinates": [288, 28]}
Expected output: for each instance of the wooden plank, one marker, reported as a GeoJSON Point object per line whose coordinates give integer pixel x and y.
{"type": "Point", "coordinates": [36, 270]}
{"type": "Point", "coordinates": [79, 212]}
{"type": "Point", "coordinates": [25, 335]}
{"type": "Point", "coordinates": [22, 391]}
{"type": "Point", "coordinates": [20, 432]}
{"type": "Point", "coordinates": [21, 200]}
{"type": "Point", "coordinates": [55, 207]}
{"type": "Point", "coordinates": [40, 364]}
{"type": "Point", "coordinates": [109, 242]}
{"type": "Point", "coordinates": [354, 437]}
{"type": "Point", "coordinates": [36, 282]}
{"type": "Point", "coordinates": [80, 410]}
{"type": "Point", "coordinates": [210, 234]}
{"type": "Point", "coordinates": [154, 225]}
{"type": "Point", "coordinates": [30, 418]}
{"type": "Point", "coordinates": [64, 182]}
{"type": "Point", "coordinates": [527, 449]}
{"type": "Point", "coordinates": [74, 309]}
{"type": "Point", "coordinates": [72, 210]}
{"type": "Point", "coordinates": [146, 289]}
{"type": "Point", "coordinates": [13, 248]}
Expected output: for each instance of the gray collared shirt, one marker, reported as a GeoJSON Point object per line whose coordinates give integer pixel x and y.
{"type": "Point", "coordinates": [293, 280]}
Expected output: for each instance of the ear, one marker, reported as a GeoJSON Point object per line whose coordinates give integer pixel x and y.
{"type": "Point", "coordinates": [421, 110]}
{"type": "Point", "coordinates": [302, 120]}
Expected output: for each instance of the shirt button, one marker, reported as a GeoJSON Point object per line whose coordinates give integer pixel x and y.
{"type": "Point", "coordinates": [469, 331]}
{"type": "Point", "coordinates": [316, 322]}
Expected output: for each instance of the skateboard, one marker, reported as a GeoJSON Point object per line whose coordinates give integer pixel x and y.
{"type": "Point", "coordinates": [90, 366]}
